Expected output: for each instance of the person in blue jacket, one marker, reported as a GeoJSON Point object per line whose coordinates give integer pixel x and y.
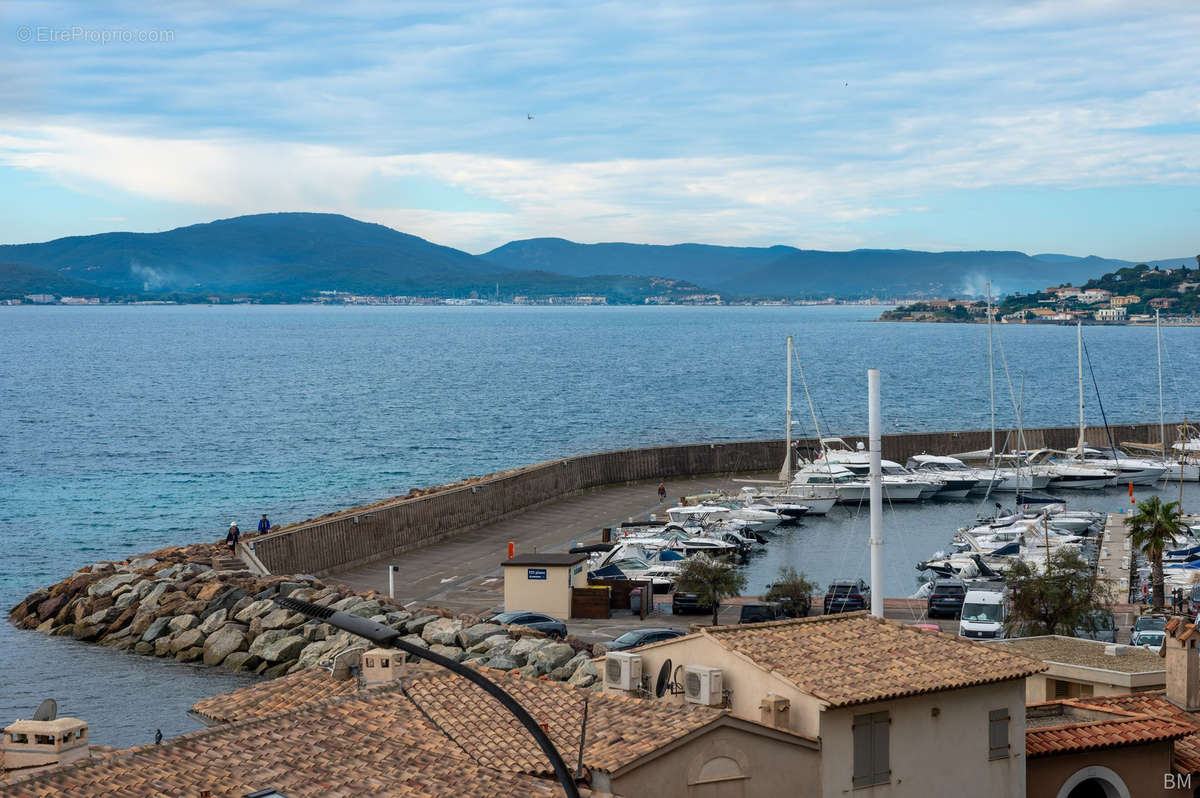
{"type": "Point", "coordinates": [264, 526]}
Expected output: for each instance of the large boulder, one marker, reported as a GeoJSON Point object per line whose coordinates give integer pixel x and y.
{"type": "Point", "coordinates": [550, 656]}
{"type": "Point", "coordinates": [315, 652]}
{"type": "Point", "coordinates": [240, 660]}
{"type": "Point", "coordinates": [585, 675]}
{"type": "Point", "coordinates": [260, 642]}
{"type": "Point", "coordinates": [284, 649]}
{"type": "Point", "coordinates": [443, 630]}
{"type": "Point", "coordinates": [110, 583]}
{"type": "Point", "coordinates": [281, 619]}
{"type": "Point", "coordinates": [256, 609]}
{"type": "Point", "coordinates": [225, 601]}
{"type": "Point", "coordinates": [189, 638]}
{"type": "Point", "coordinates": [48, 608]}
{"type": "Point", "coordinates": [181, 623]}
{"type": "Point", "coordinates": [214, 622]}
{"type": "Point", "coordinates": [565, 671]}
{"type": "Point", "coordinates": [366, 609]}
{"type": "Point", "coordinates": [502, 662]}
{"type": "Point", "coordinates": [189, 654]}
{"type": "Point", "coordinates": [223, 642]}
{"type": "Point", "coordinates": [417, 625]}
{"type": "Point", "coordinates": [346, 604]}
{"type": "Point", "coordinates": [526, 646]}
{"type": "Point", "coordinates": [477, 633]}
{"type": "Point", "coordinates": [156, 629]}
{"type": "Point", "coordinates": [450, 652]}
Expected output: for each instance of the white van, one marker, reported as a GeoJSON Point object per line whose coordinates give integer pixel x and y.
{"type": "Point", "coordinates": [983, 615]}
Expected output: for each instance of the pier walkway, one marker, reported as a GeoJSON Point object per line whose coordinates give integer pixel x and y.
{"type": "Point", "coordinates": [1116, 558]}
{"type": "Point", "coordinates": [463, 572]}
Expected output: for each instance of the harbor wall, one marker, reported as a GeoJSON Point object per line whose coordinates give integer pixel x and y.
{"type": "Point", "coordinates": [365, 534]}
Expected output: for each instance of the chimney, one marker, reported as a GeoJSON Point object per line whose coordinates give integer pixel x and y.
{"type": "Point", "coordinates": [773, 711]}
{"type": "Point", "coordinates": [381, 665]}
{"type": "Point", "coordinates": [1183, 664]}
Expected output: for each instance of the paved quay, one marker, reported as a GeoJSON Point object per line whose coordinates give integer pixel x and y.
{"type": "Point", "coordinates": [463, 572]}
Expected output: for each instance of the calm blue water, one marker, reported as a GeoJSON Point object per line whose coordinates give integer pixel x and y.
{"type": "Point", "coordinates": [123, 429]}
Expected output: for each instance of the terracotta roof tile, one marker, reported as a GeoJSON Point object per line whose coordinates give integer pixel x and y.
{"type": "Point", "coordinates": [620, 730]}
{"type": "Point", "coordinates": [1111, 732]}
{"type": "Point", "coordinates": [1155, 704]}
{"type": "Point", "coordinates": [377, 743]}
{"type": "Point", "coordinates": [856, 658]}
{"type": "Point", "coordinates": [271, 697]}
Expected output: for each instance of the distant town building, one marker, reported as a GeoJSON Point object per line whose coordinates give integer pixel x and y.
{"type": "Point", "coordinates": [1161, 302]}
{"type": "Point", "coordinates": [1066, 292]}
{"type": "Point", "coordinates": [1128, 299]}
{"type": "Point", "coordinates": [1110, 314]}
{"type": "Point", "coordinates": [78, 300]}
{"type": "Point", "coordinates": [40, 299]}
{"type": "Point", "coordinates": [1092, 295]}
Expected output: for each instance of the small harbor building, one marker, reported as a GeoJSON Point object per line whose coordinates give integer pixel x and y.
{"type": "Point", "coordinates": [1077, 668]}
{"type": "Point", "coordinates": [543, 582]}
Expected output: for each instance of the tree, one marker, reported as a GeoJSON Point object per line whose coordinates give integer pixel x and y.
{"type": "Point", "coordinates": [1151, 529]}
{"type": "Point", "coordinates": [794, 587]}
{"type": "Point", "coordinates": [1064, 597]}
{"type": "Point", "coordinates": [711, 580]}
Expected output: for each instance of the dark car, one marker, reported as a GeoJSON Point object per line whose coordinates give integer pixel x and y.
{"type": "Point", "coordinates": [641, 637]}
{"type": "Point", "coordinates": [688, 603]}
{"type": "Point", "coordinates": [534, 620]}
{"type": "Point", "coordinates": [847, 595]}
{"type": "Point", "coordinates": [759, 611]}
{"type": "Point", "coordinates": [946, 598]}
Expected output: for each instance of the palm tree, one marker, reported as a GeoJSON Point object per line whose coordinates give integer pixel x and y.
{"type": "Point", "coordinates": [711, 580]}
{"type": "Point", "coordinates": [1151, 529]}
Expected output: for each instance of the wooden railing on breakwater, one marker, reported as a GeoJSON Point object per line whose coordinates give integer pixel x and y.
{"type": "Point", "coordinates": [381, 530]}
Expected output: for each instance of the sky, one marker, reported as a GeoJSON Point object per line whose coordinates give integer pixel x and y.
{"type": "Point", "coordinates": [1069, 127]}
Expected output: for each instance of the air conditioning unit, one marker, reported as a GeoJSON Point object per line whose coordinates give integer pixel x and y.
{"type": "Point", "coordinates": [622, 670]}
{"type": "Point", "coordinates": [703, 685]}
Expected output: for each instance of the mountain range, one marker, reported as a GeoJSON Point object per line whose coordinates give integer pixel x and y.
{"type": "Point", "coordinates": [291, 255]}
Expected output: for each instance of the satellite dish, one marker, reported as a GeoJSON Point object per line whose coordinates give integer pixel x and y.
{"type": "Point", "coordinates": [47, 710]}
{"type": "Point", "coordinates": [664, 677]}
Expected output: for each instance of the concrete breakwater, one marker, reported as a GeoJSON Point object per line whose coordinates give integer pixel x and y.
{"type": "Point", "coordinates": [190, 604]}
{"type": "Point", "coordinates": [390, 527]}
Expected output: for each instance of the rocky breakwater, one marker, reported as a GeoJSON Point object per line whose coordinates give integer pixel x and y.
{"type": "Point", "coordinates": [175, 603]}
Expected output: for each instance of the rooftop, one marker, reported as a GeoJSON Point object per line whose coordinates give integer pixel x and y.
{"type": "Point", "coordinates": [1187, 749]}
{"type": "Point", "coordinates": [1086, 653]}
{"type": "Point", "coordinates": [1059, 727]}
{"type": "Point", "coordinates": [545, 559]}
{"type": "Point", "coordinates": [855, 658]}
{"type": "Point", "coordinates": [287, 693]}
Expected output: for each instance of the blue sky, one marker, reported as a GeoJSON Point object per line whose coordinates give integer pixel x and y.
{"type": "Point", "coordinates": [1046, 127]}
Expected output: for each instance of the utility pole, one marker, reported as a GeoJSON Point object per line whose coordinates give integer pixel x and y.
{"type": "Point", "coordinates": [875, 416]}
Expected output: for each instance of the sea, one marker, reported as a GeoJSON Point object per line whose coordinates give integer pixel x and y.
{"type": "Point", "coordinates": [128, 428]}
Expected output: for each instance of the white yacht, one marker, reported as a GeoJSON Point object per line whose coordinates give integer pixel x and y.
{"type": "Point", "coordinates": [959, 479]}
{"type": "Point", "coordinates": [852, 488]}
{"type": "Point", "coordinates": [1126, 469]}
{"type": "Point", "coordinates": [753, 519]}
{"type": "Point", "coordinates": [1070, 473]}
{"type": "Point", "coordinates": [896, 480]}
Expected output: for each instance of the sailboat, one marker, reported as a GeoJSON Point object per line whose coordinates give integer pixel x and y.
{"type": "Point", "coordinates": [819, 498]}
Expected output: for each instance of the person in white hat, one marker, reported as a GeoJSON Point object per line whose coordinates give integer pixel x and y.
{"type": "Point", "coordinates": [234, 535]}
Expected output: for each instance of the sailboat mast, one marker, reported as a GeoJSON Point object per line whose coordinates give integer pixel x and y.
{"type": "Point", "coordinates": [1162, 434]}
{"type": "Point", "coordinates": [787, 436]}
{"type": "Point", "coordinates": [1079, 354]}
{"type": "Point", "coordinates": [991, 371]}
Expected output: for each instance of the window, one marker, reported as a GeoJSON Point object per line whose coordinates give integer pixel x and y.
{"type": "Point", "coordinates": [998, 734]}
{"type": "Point", "coordinates": [1061, 689]}
{"type": "Point", "coordinates": [871, 749]}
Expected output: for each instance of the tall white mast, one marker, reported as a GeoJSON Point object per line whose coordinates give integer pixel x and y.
{"type": "Point", "coordinates": [1079, 353]}
{"type": "Point", "coordinates": [1162, 435]}
{"type": "Point", "coordinates": [873, 429]}
{"type": "Point", "coordinates": [991, 371]}
{"type": "Point", "coordinates": [787, 435]}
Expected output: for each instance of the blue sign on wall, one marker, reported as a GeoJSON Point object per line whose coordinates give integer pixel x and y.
{"type": "Point", "coordinates": [535, 573]}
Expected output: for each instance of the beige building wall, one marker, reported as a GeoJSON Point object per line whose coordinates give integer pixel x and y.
{"type": "Point", "coordinates": [1140, 767]}
{"type": "Point", "coordinates": [726, 763]}
{"type": "Point", "coordinates": [1084, 682]}
{"type": "Point", "coordinates": [551, 595]}
{"type": "Point", "coordinates": [747, 683]}
{"type": "Point", "coordinates": [935, 740]}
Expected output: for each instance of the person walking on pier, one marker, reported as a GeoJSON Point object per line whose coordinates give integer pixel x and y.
{"type": "Point", "coordinates": [233, 536]}
{"type": "Point", "coordinates": [264, 526]}
{"type": "Point", "coordinates": [662, 492]}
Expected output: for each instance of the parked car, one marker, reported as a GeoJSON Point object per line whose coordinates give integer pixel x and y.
{"type": "Point", "coordinates": [946, 598]}
{"type": "Point", "coordinates": [760, 611]}
{"type": "Point", "coordinates": [847, 595]}
{"type": "Point", "coordinates": [1151, 623]}
{"type": "Point", "coordinates": [688, 603]}
{"type": "Point", "coordinates": [1149, 638]}
{"type": "Point", "coordinates": [1099, 626]}
{"type": "Point", "coordinates": [641, 637]}
{"type": "Point", "coordinates": [534, 620]}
